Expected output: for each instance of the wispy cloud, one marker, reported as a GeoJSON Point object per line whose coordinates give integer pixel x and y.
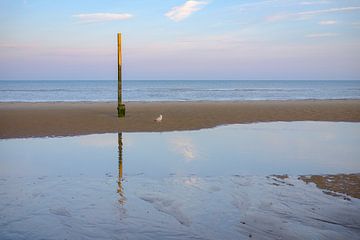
{"type": "Point", "coordinates": [321, 35]}
{"type": "Point", "coordinates": [254, 3]}
{"type": "Point", "coordinates": [330, 10]}
{"type": "Point", "coordinates": [311, 13]}
{"type": "Point", "coordinates": [179, 13]}
{"type": "Point", "coordinates": [101, 17]}
{"type": "Point", "coordinates": [328, 22]}
{"type": "Point", "coordinates": [314, 2]}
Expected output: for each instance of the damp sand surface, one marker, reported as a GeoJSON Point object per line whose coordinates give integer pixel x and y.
{"type": "Point", "coordinates": [192, 207]}
{"type": "Point", "coordinates": [76, 118]}
{"type": "Point", "coordinates": [341, 183]}
{"type": "Point", "coordinates": [247, 181]}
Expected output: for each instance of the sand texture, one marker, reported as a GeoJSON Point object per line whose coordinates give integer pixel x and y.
{"type": "Point", "coordinates": [66, 119]}
{"type": "Point", "coordinates": [342, 183]}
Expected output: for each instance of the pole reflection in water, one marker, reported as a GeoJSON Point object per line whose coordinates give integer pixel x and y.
{"type": "Point", "coordinates": [120, 189]}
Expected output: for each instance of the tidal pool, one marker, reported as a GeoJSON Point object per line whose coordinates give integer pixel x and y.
{"type": "Point", "coordinates": [206, 184]}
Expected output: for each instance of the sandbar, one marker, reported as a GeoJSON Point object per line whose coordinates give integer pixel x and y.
{"type": "Point", "coordinates": [20, 120]}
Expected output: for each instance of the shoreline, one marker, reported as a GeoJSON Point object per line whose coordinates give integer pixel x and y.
{"type": "Point", "coordinates": [187, 101]}
{"type": "Point", "coordinates": [43, 119]}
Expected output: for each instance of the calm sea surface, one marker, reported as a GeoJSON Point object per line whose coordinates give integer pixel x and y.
{"type": "Point", "coordinates": [38, 91]}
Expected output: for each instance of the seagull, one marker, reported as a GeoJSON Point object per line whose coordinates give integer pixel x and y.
{"type": "Point", "coordinates": [159, 118]}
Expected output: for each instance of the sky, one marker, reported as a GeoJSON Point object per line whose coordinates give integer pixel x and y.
{"type": "Point", "coordinates": [180, 40]}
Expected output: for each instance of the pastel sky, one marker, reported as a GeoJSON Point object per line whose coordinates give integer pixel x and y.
{"type": "Point", "coordinates": [179, 39]}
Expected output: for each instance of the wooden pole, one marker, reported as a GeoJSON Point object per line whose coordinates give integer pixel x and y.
{"type": "Point", "coordinates": [121, 106]}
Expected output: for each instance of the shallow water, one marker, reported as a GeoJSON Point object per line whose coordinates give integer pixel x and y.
{"type": "Point", "coordinates": [207, 184]}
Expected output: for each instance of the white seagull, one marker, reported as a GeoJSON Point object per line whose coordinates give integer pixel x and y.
{"type": "Point", "coordinates": [159, 118]}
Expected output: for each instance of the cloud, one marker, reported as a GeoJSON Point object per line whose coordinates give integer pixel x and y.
{"type": "Point", "coordinates": [320, 35]}
{"type": "Point", "coordinates": [313, 2]}
{"type": "Point", "coordinates": [101, 17]}
{"type": "Point", "coordinates": [311, 13]}
{"type": "Point", "coordinates": [328, 22]}
{"type": "Point", "coordinates": [331, 10]}
{"type": "Point", "coordinates": [185, 147]}
{"type": "Point", "coordinates": [179, 13]}
{"type": "Point", "coordinates": [251, 4]}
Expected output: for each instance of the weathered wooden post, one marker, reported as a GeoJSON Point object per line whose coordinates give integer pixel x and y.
{"type": "Point", "coordinates": [121, 106]}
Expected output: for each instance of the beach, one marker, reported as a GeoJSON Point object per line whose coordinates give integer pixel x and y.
{"type": "Point", "coordinates": [20, 119]}
{"type": "Point", "coordinates": [180, 120]}
{"type": "Point", "coordinates": [292, 173]}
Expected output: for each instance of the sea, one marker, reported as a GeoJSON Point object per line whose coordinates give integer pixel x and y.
{"type": "Point", "coordinates": [175, 90]}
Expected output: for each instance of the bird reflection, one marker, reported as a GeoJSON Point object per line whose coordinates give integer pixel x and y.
{"type": "Point", "coordinates": [120, 189]}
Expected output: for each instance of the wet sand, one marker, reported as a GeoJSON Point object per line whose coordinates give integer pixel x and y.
{"type": "Point", "coordinates": [68, 119]}
{"type": "Point", "coordinates": [193, 207]}
{"type": "Point", "coordinates": [85, 186]}
{"type": "Point", "coordinates": [348, 184]}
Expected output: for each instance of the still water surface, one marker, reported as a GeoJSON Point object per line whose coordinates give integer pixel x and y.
{"type": "Point", "coordinates": [248, 149]}
{"type": "Point", "coordinates": [207, 184]}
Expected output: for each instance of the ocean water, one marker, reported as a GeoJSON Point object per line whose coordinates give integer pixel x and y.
{"type": "Point", "coordinates": [42, 91]}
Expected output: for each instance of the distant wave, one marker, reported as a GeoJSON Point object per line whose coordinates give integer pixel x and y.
{"type": "Point", "coordinates": [218, 90]}
{"type": "Point", "coordinates": [178, 90]}
{"type": "Point", "coordinates": [179, 99]}
{"type": "Point", "coordinates": [102, 91]}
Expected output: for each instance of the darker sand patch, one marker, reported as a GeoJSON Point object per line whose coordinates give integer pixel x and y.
{"type": "Point", "coordinates": [348, 184]}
